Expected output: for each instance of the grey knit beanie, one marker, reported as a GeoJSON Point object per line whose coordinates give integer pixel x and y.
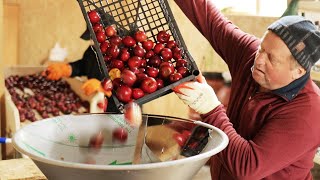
{"type": "Point", "coordinates": [301, 37]}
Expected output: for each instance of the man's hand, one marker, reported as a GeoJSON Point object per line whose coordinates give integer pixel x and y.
{"type": "Point", "coordinates": [94, 85]}
{"type": "Point", "coordinates": [55, 71]}
{"type": "Point", "coordinates": [198, 95]}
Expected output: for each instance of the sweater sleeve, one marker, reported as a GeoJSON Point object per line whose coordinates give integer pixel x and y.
{"type": "Point", "coordinates": [265, 154]}
{"type": "Point", "coordinates": [228, 40]}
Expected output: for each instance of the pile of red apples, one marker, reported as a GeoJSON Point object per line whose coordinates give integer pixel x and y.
{"type": "Point", "coordinates": [37, 98]}
{"type": "Point", "coordinates": [138, 66]}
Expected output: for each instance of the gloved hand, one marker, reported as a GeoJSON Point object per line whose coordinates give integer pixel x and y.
{"type": "Point", "coordinates": [55, 71]}
{"type": "Point", "coordinates": [198, 95]}
{"type": "Point", "coordinates": [94, 85]}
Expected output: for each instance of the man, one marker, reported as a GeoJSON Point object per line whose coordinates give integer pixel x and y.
{"type": "Point", "coordinates": [272, 118]}
{"type": "Point", "coordinates": [87, 66]}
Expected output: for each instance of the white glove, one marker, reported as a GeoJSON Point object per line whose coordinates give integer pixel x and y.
{"type": "Point", "coordinates": [198, 96]}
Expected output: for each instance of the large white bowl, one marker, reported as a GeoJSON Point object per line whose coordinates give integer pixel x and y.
{"type": "Point", "coordinates": [59, 147]}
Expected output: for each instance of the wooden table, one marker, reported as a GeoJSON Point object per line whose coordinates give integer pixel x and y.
{"type": "Point", "coordinates": [20, 169]}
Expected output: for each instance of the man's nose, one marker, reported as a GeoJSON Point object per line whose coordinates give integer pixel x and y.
{"type": "Point", "coordinates": [260, 59]}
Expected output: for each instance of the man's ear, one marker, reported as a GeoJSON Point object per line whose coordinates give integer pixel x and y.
{"type": "Point", "coordinates": [298, 72]}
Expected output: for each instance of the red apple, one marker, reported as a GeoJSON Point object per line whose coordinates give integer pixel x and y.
{"type": "Point", "coordinates": [180, 139]}
{"type": "Point", "coordinates": [171, 44]}
{"type": "Point", "coordinates": [140, 36]}
{"type": "Point", "coordinates": [124, 54]}
{"type": "Point", "coordinates": [117, 83]}
{"type": "Point", "coordinates": [116, 40]}
{"type": "Point", "coordinates": [152, 72]}
{"type": "Point", "coordinates": [106, 58]}
{"type": "Point", "coordinates": [137, 93]}
{"type": "Point", "coordinates": [176, 53]}
{"type": "Point", "coordinates": [128, 77]}
{"type": "Point", "coordinates": [120, 135]}
{"type": "Point", "coordinates": [163, 36]}
{"type": "Point", "coordinates": [94, 16]}
{"type": "Point", "coordinates": [139, 51]}
{"type": "Point", "coordinates": [106, 84]}
{"type": "Point", "coordinates": [124, 93]}
{"type": "Point", "coordinates": [132, 114]}
{"type": "Point", "coordinates": [158, 48]}
{"type": "Point", "coordinates": [143, 63]}
{"type": "Point", "coordinates": [183, 71]}
{"type": "Point", "coordinates": [128, 41]}
{"type": "Point", "coordinates": [149, 85]}
{"type": "Point", "coordinates": [104, 46]}
{"type": "Point", "coordinates": [168, 63]}
{"type": "Point", "coordinates": [141, 76]}
{"type": "Point", "coordinates": [147, 45]}
{"type": "Point", "coordinates": [174, 77]}
{"type": "Point", "coordinates": [165, 71]}
{"type": "Point", "coordinates": [113, 51]}
{"type": "Point", "coordinates": [97, 27]}
{"type": "Point", "coordinates": [101, 37]}
{"type": "Point", "coordinates": [134, 62]}
{"type": "Point", "coordinates": [154, 61]}
{"type": "Point", "coordinates": [110, 31]}
{"type": "Point", "coordinates": [96, 141]}
{"type": "Point", "coordinates": [116, 63]}
{"type": "Point", "coordinates": [160, 83]}
{"type": "Point", "coordinates": [181, 63]}
{"type": "Point", "coordinates": [135, 70]}
{"type": "Point", "coordinates": [103, 104]}
{"type": "Point", "coordinates": [166, 54]}
{"type": "Point", "coordinates": [149, 54]}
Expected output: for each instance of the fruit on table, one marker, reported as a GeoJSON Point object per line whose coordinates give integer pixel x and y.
{"type": "Point", "coordinates": [37, 97]}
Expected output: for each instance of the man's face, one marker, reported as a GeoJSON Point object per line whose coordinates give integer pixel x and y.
{"type": "Point", "coordinates": [273, 66]}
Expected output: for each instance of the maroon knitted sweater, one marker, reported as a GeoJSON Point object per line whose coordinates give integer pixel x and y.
{"type": "Point", "coordinates": [273, 135]}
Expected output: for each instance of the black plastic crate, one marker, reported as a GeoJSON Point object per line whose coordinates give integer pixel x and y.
{"type": "Point", "coordinates": [128, 16]}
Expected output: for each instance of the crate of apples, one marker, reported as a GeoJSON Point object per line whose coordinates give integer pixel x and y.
{"type": "Point", "coordinates": [139, 68]}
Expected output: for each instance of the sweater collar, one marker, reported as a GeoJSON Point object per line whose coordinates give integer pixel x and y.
{"type": "Point", "coordinates": [291, 90]}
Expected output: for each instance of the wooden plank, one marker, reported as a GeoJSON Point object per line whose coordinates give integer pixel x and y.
{"type": "Point", "coordinates": [20, 169]}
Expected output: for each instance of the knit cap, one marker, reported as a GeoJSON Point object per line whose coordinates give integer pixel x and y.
{"type": "Point", "coordinates": [301, 37]}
